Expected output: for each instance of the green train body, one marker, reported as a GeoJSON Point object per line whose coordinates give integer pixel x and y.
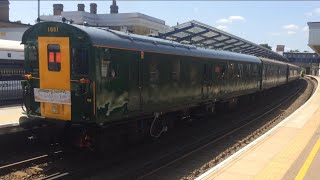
{"type": "Point", "coordinates": [90, 75]}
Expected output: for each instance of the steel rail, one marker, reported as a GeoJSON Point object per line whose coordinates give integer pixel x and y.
{"type": "Point", "coordinates": [24, 163]}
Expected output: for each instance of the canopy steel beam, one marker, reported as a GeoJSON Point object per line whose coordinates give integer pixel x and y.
{"type": "Point", "coordinates": [234, 46]}
{"type": "Point", "coordinates": [162, 35]}
{"type": "Point", "coordinates": [192, 35]}
{"type": "Point", "coordinates": [218, 42]}
{"type": "Point", "coordinates": [207, 39]}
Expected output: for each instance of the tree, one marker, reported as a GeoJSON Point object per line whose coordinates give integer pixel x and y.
{"type": "Point", "coordinates": [266, 46]}
{"type": "Point", "coordinates": [296, 50]}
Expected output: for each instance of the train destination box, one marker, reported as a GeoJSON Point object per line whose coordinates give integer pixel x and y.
{"type": "Point", "coordinates": [52, 96]}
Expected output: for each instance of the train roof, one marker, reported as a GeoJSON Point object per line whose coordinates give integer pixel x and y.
{"type": "Point", "coordinates": [271, 61]}
{"type": "Point", "coordinates": [293, 65]}
{"type": "Point", "coordinates": [9, 45]}
{"type": "Point", "coordinates": [115, 39]}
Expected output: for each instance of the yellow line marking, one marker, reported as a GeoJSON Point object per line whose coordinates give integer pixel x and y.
{"type": "Point", "coordinates": [308, 162]}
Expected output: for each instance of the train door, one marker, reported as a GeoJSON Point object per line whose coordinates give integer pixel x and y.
{"type": "Point", "coordinates": [206, 81]}
{"type": "Point", "coordinates": [140, 81]}
{"type": "Point", "coordinates": [54, 64]}
{"type": "Point", "coordinates": [216, 79]}
{"type": "Point", "coordinates": [288, 73]}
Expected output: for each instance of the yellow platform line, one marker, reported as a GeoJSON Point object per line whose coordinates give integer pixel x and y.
{"type": "Point", "coordinates": [283, 160]}
{"type": "Point", "coordinates": [303, 171]}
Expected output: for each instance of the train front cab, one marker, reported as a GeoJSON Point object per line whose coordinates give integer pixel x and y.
{"type": "Point", "coordinates": [58, 90]}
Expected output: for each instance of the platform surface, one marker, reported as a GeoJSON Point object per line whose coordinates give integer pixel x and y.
{"type": "Point", "coordinates": [288, 151]}
{"type": "Point", "coordinates": [9, 116]}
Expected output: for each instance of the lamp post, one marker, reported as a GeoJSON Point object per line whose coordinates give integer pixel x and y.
{"type": "Point", "coordinates": [38, 8]}
{"type": "Point", "coordinates": [38, 19]}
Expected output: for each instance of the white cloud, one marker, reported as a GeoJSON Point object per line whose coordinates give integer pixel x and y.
{"type": "Point", "coordinates": [305, 29]}
{"type": "Point", "coordinates": [236, 18]}
{"type": "Point", "coordinates": [196, 10]}
{"type": "Point", "coordinates": [275, 34]}
{"type": "Point", "coordinates": [291, 32]}
{"type": "Point", "coordinates": [231, 19]}
{"type": "Point", "coordinates": [308, 14]}
{"type": "Point", "coordinates": [223, 21]}
{"type": "Point", "coordinates": [290, 27]}
{"type": "Point", "coordinates": [223, 28]}
{"type": "Point", "coordinates": [314, 12]}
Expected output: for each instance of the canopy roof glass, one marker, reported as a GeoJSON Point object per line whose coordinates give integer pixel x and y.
{"type": "Point", "coordinates": [202, 35]}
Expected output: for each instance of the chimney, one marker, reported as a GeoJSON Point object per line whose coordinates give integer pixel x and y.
{"type": "Point", "coordinates": [280, 49]}
{"type": "Point", "coordinates": [93, 8]}
{"type": "Point", "coordinates": [4, 10]}
{"type": "Point", "coordinates": [57, 9]}
{"type": "Point", "coordinates": [114, 8]}
{"type": "Point", "coordinates": [80, 7]}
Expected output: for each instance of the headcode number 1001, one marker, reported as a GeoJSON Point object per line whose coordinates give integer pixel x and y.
{"type": "Point", "coordinates": [53, 29]}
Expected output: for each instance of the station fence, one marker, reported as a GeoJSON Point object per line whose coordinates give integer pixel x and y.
{"type": "Point", "coordinates": [10, 88]}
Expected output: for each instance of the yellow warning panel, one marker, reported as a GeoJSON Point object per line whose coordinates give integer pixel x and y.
{"type": "Point", "coordinates": [54, 66]}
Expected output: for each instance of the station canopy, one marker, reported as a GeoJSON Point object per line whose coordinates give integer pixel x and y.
{"type": "Point", "coordinates": [202, 35]}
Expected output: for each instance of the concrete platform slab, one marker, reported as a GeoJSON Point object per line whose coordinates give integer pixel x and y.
{"type": "Point", "coordinates": [9, 116]}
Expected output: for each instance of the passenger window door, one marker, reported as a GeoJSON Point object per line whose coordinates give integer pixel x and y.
{"type": "Point", "coordinates": [54, 57]}
{"type": "Point", "coordinates": [80, 61]}
{"type": "Point", "coordinates": [109, 68]}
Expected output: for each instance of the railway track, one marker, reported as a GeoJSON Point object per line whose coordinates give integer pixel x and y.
{"type": "Point", "coordinates": [148, 166]}
{"type": "Point", "coordinates": [27, 162]}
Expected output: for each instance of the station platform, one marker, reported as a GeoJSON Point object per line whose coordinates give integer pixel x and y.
{"type": "Point", "coordinates": [9, 116]}
{"type": "Point", "coordinates": [290, 150]}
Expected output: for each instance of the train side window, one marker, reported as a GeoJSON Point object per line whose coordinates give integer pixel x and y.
{"type": "Point", "coordinates": [193, 73]}
{"type": "Point", "coordinates": [153, 71]}
{"type": "Point", "coordinates": [206, 72]}
{"type": "Point", "coordinates": [223, 71]}
{"type": "Point", "coordinates": [230, 71]}
{"type": "Point", "coordinates": [176, 70]}
{"type": "Point", "coordinates": [240, 70]}
{"type": "Point", "coordinates": [104, 68]}
{"type": "Point", "coordinates": [80, 61]}
{"type": "Point", "coordinates": [254, 70]}
{"type": "Point", "coordinates": [216, 71]}
{"type": "Point", "coordinates": [266, 72]}
{"type": "Point", "coordinates": [248, 70]}
{"type": "Point", "coordinates": [32, 57]}
{"type": "Point", "coordinates": [54, 57]}
{"type": "Point", "coordinates": [109, 69]}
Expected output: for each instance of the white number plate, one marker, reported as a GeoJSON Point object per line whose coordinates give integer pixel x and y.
{"type": "Point", "coordinates": [52, 96]}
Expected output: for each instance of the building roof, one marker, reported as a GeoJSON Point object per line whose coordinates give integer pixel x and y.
{"type": "Point", "coordinates": [299, 53]}
{"type": "Point", "coordinates": [117, 19]}
{"type": "Point", "coordinates": [8, 24]}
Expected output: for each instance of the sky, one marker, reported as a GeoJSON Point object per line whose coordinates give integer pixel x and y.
{"type": "Point", "coordinates": [271, 22]}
